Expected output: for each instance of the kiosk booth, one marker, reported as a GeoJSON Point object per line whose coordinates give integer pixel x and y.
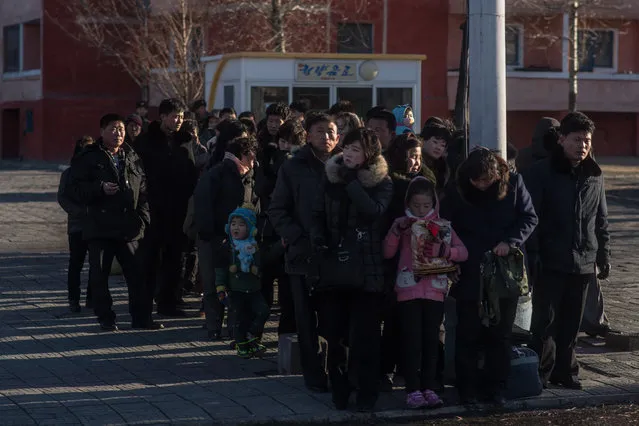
{"type": "Point", "coordinates": [254, 80]}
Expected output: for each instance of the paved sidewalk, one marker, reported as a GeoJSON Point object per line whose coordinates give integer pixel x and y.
{"type": "Point", "coordinates": [57, 368]}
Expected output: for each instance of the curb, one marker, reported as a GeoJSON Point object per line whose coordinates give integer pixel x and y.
{"type": "Point", "coordinates": [32, 165]}
{"type": "Point", "coordinates": [404, 416]}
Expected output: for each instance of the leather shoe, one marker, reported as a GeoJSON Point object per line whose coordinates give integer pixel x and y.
{"type": "Point", "coordinates": [567, 382]}
{"type": "Point", "coordinates": [74, 306]}
{"type": "Point", "coordinates": [108, 326]}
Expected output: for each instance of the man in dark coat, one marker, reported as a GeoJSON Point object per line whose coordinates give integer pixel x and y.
{"type": "Point", "coordinates": [290, 213]}
{"type": "Point", "coordinates": [569, 196]}
{"type": "Point", "coordinates": [540, 147]}
{"type": "Point", "coordinates": [171, 172]}
{"type": "Point", "coordinates": [109, 179]}
{"type": "Point", "coordinates": [221, 189]}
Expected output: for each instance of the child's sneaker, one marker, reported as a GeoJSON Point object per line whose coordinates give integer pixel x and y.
{"type": "Point", "coordinates": [244, 350]}
{"type": "Point", "coordinates": [416, 400]}
{"type": "Point", "coordinates": [432, 399]}
{"type": "Point", "coordinates": [256, 348]}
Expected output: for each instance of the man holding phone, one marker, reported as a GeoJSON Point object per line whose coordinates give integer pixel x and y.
{"type": "Point", "coordinates": [109, 179]}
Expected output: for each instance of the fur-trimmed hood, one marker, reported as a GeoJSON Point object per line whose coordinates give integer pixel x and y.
{"type": "Point", "coordinates": [369, 177]}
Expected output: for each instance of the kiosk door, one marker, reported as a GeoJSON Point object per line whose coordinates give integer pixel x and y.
{"type": "Point", "coordinates": [361, 97]}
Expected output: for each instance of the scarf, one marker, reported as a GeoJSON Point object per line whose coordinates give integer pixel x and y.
{"type": "Point", "coordinates": [241, 167]}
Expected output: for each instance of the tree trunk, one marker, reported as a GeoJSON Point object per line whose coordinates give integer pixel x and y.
{"type": "Point", "coordinates": [573, 56]}
{"type": "Point", "coordinates": [277, 26]}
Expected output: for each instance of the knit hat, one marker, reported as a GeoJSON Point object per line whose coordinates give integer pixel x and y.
{"type": "Point", "coordinates": [133, 118]}
{"type": "Point", "coordinates": [248, 215]}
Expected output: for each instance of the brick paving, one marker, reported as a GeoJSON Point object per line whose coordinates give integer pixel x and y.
{"type": "Point", "coordinates": [57, 368]}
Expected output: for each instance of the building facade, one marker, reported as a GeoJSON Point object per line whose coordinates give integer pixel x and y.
{"type": "Point", "coordinates": [53, 89]}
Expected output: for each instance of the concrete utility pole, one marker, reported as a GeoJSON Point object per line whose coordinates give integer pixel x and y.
{"type": "Point", "coordinates": [487, 74]}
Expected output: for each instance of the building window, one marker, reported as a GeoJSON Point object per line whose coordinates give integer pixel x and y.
{"type": "Point", "coordinates": [12, 48]}
{"type": "Point", "coordinates": [262, 97]}
{"type": "Point", "coordinates": [354, 38]}
{"type": "Point", "coordinates": [21, 47]}
{"type": "Point", "coordinates": [514, 45]}
{"type": "Point", "coordinates": [390, 97]}
{"type": "Point", "coordinates": [596, 49]}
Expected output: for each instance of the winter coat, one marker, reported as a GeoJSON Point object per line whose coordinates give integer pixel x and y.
{"type": "Point", "coordinates": [573, 215]}
{"type": "Point", "coordinates": [265, 178]}
{"type": "Point", "coordinates": [219, 191]}
{"type": "Point", "coordinates": [538, 150]}
{"type": "Point", "coordinates": [169, 164]}
{"type": "Point", "coordinates": [434, 287]}
{"type": "Point", "coordinates": [122, 216]}
{"type": "Point", "coordinates": [76, 211]}
{"type": "Point", "coordinates": [356, 206]}
{"type": "Point", "coordinates": [482, 221]}
{"type": "Point", "coordinates": [291, 206]}
{"type": "Point", "coordinates": [236, 280]}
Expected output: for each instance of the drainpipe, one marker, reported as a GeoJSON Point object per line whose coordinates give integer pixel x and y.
{"type": "Point", "coordinates": [385, 28]}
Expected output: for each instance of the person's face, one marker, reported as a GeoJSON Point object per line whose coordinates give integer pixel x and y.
{"type": "Point", "coordinates": [213, 122]}
{"type": "Point", "coordinates": [228, 116]}
{"type": "Point", "coordinates": [576, 146]}
{"type": "Point", "coordinates": [420, 204]}
{"type": "Point", "coordinates": [133, 130]}
{"type": "Point", "coordinates": [273, 124]}
{"type": "Point", "coordinates": [435, 148]}
{"type": "Point", "coordinates": [414, 160]}
{"type": "Point", "coordinates": [483, 182]}
{"type": "Point", "coordinates": [323, 136]}
{"type": "Point", "coordinates": [173, 121]}
{"type": "Point", "coordinates": [380, 127]}
{"type": "Point", "coordinates": [238, 228]}
{"type": "Point", "coordinates": [113, 134]}
{"type": "Point", "coordinates": [248, 159]}
{"type": "Point", "coordinates": [142, 111]}
{"type": "Point", "coordinates": [285, 145]}
{"type": "Point", "coordinates": [201, 111]}
{"type": "Point", "coordinates": [354, 155]}
{"type": "Point", "coordinates": [409, 119]}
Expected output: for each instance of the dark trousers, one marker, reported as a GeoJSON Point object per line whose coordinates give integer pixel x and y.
{"type": "Point", "coordinates": [353, 318]}
{"type": "Point", "coordinates": [101, 255]}
{"type": "Point", "coordinates": [306, 319]}
{"type": "Point", "coordinates": [213, 309]}
{"type": "Point", "coordinates": [420, 320]}
{"type": "Point", "coordinates": [558, 305]}
{"type": "Point", "coordinates": [189, 265]}
{"type": "Point", "coordinates": [391, 335]}
{"type": "Point", "coordinates": [250, 313]}
{"type": "Point", "coordinates": [163, 268]}
{"type": "Point", "coordinates": [287, 307]}
{"type": "Point", "coordinates": [78, 249]}
{"type": "Point", "coordinates": [473, 338]}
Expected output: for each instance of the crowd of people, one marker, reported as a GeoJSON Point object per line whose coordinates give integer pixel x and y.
{"type": "Point", "coordinates": [331, 209]}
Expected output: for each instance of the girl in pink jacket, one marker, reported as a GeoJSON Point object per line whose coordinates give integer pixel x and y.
{"type": "Point", "coordinates": [421, 299]}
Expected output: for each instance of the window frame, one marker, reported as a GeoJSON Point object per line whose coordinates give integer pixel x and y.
{"type": "Point", "coordinates": [520, 46]}
{"type": "Point", "coordinates": [615, 51]}
{"type": "Point", "coordinates": [20, 28]}
{"type": "Point", "coordinates": [371, 25]}
{"type": "Point", "coordinates": [21, 73]}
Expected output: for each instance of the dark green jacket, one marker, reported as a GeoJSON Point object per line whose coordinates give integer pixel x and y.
{"type": "Point", "coordinates": [122, 216]}
{"type": "Point", "coordinates": [236, 280]}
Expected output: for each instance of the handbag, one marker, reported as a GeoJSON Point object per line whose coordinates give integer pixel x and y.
{"type": "Point", "coordinates": [341, 268]}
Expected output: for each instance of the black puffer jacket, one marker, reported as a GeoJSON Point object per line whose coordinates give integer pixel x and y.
{"type": "Point", "coordinates": [291, 206]}
{"type": "Point", "coordinates": [573, 215]}
{"type": "Point", "coordinates": [122, 216]}
{"type": "Point", "coordinates": [219, 191]}
{"type": "Point", "coordinates": [365, 200]}
{"type": "Point", "coordinates": [169, 164]}
{"type": "Point", "coordinates": [75, 210]}
{"type": "Point", "coordinates": [482, 221]}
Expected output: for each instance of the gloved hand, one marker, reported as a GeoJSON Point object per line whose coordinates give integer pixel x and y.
{"type": "Point", "coordinates": [604, 271]}
{"type": "Point", "coordinates": [401, 225]}
{"type": "Point", "coordinates": [437, 249]}
{"type": "Point", "coordinates": [319, 244]}
{"type": "Point", "coordinates": [347, 175]}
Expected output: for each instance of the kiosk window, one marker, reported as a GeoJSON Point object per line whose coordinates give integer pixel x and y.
{"type": "Point", "coordinates": [262, 97]}
{"type": "Point", "coordinates": [361, 97]}
{"type": "Point", "coordinates": [229, 96]}
{"type": "Point", "coordinates": [318, 98]}
{"type": "Point", "coordinates": [390, 97]}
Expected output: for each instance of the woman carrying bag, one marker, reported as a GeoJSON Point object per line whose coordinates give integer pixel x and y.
{"type": "Point", "coordinates": [347, 236]}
